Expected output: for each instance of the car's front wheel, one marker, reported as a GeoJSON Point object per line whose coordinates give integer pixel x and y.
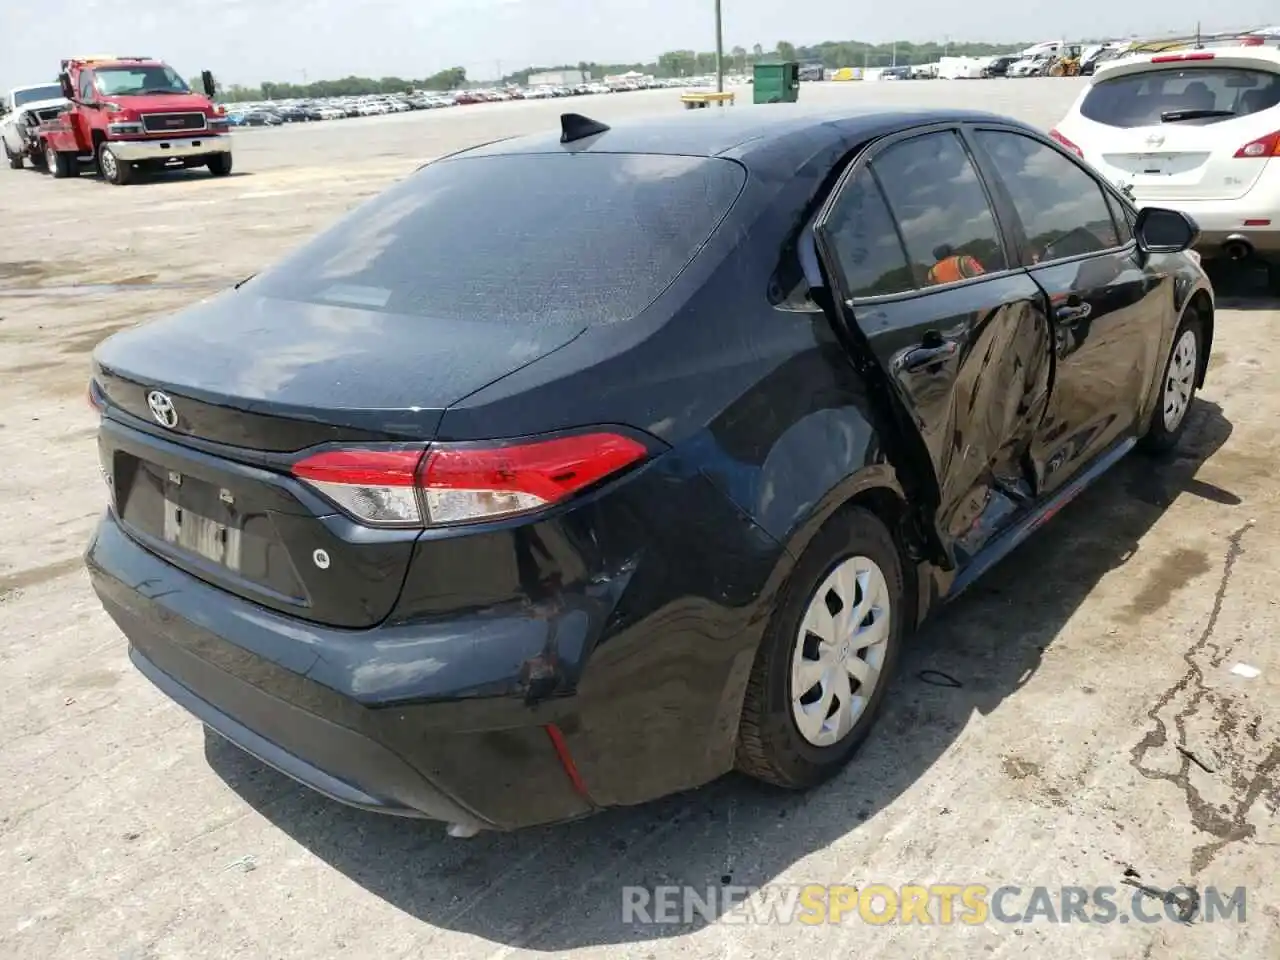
{"type": "Point", "coordinates": [113, 169]}
{"type": "Point", "coordinates": [1177, 386]}
{"type": "Point", "coordinates": [826, 658]}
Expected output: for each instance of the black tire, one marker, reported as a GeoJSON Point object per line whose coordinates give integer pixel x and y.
{"type": "Point", "coordinates": [1161, 437]}
{"type": "Point", "coordinates": [220, 164]}
{"type": "Point", "coordinates": [111, 168]}
{"type": "Point", "coordinates": [58, 164]}
{"type": "Point", "coordinates": [1273, 279]}
{"type": "Point", "coordinates": [770, 745]}
{"type": "Point", "coordinates": [15, 159]}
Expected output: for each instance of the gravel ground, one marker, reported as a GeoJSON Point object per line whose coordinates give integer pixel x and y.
{"type": "Point", "coordinates": [1096, 726]}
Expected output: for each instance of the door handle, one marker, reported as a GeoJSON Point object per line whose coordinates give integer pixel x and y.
{"type": "Point", "coordinates": [1072, 309]}
{"type": "Point", "coordinates": [921, 357]}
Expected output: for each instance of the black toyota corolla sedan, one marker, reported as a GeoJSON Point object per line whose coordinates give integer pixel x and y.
{"type": "Point", "coordinates": [579, 469]}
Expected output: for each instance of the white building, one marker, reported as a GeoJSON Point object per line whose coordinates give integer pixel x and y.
{"type": "Point", "coordinates": [557, 78]}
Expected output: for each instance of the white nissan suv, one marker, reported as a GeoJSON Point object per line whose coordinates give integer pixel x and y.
{"type": "Point", "coordinates": [1198, 131]}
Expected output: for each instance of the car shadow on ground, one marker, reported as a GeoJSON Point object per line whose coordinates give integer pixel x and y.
{"type": "Point", "coordinates": [558, 888]}
{"type": "Point", "coordinates": [1242, 286]}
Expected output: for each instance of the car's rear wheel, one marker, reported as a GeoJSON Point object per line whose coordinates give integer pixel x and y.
{"type": "Point", "coordinates": [60, 164]}
{"type": "Point", "coordinates": [826, 658]}
{"type": "Point", "coordinates": [15, 159]}
{"type": "Point", "coordinates": [1177, 386]}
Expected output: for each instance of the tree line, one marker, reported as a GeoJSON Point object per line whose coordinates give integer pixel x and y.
{"type": "Point", "coordinates": [674, 63]}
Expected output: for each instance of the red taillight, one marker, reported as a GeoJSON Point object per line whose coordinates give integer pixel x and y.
{"type": "Point", "coordinates": [1268, 146]}
{"type": "Point", "coordinates": [464, 483]}
{"type": "Point", "coordinates": [1175, 57]}
{"type": "Point", "coordinates": [374, 486]}
{"type": "Point", "coordinates": [1066, 143]}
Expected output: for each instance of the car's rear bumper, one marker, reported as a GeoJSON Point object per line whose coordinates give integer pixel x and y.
{"type": "Point", "coordinates": [1224, 244]}
{"type": "Point", "coordinates": [290, 694]}
{"type": "Point", "coordinates": [1253, 220]}
{"type": "Point", "coordinates": [199, 145]}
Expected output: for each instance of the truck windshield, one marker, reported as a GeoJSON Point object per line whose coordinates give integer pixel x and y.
{"type": "Point", "coordinates": [148, 78]}
{"type": "Point", "coordinates": [32, 94]}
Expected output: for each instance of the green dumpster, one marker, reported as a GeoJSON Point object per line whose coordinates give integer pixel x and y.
{"type": "Point", "coordinates": [776, 82]}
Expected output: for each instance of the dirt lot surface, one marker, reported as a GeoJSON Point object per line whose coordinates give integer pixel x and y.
{"type": "Point", "coordinates": [1094, 726]}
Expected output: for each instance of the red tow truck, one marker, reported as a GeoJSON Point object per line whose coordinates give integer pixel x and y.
{"type": "Point", "coordinates": [127, 113]}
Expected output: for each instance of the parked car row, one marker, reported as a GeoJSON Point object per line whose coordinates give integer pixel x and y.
{"type": "Point", "coordinates": [273, 113]}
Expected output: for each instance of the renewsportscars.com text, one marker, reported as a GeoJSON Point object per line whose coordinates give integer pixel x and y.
{"type": "Point", "coordinates": [929, 904]}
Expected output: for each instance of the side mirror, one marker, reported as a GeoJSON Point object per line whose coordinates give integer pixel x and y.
{"type": "Point", "coordinates": [64, 81]}
{"type": "Point", "coordinates": [206, 81]}
{"type": "Point", "coordinates": [1165, 231]}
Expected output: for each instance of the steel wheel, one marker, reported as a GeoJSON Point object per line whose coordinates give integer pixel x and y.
{"type": "Point", "coordinates": [109, 165]}
{"type": "Point", "coordinates": [1180, 380]}
{"type": "Point", "coordinates": [50, 157]}
{"type": "Point", "coordinates": [840, 651]}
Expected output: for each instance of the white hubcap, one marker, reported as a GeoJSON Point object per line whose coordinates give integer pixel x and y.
{"type": "Point", "coordinates": [108, 163]}
{"type": "Point", "coordinates": [1180, 380]}
{"type": "Point", "coordinates": [840, 650]}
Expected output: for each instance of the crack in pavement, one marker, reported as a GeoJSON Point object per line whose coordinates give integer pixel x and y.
{"type": "Point", "coordinates": [1227, 824]}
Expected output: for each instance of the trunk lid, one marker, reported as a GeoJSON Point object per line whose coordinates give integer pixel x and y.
{"type": "Point", "coordinates": [206, 411]}
{"type": "Point", "coordinates": [1171, 162]}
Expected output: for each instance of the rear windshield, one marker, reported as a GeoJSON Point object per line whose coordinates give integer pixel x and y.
{"type": "Point", "coordinates": [564, 238]}
{"type": "Point", "coordinates": [1188, 96]}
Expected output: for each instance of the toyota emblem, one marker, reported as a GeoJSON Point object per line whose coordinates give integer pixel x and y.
{"type": "Point", "coordinates": [162, 409]}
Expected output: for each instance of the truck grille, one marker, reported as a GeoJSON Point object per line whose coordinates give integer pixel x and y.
{"type": "Point", "coordinates": [172, 122]}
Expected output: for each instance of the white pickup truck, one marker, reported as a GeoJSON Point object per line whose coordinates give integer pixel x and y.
{"type": "Point", "coordinates": [26, 108]}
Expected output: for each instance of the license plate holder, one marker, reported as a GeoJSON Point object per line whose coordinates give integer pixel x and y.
{"type": "Point", "coordinates": [1152, 165]}
{"type": "Point", "coordinates": [201, 519]}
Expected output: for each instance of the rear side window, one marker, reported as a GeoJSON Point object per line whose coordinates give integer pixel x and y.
{"type": "Point", "coordinates": [1196, 96]}
{"type": "Point", "coordinates": [941, 208]}
{"type": "Point", "coordinates": [564, 238]}
{"type": "Point", "coordinates": [1064, 211]}
{"type": "Point", "coordinates": [865, 242]}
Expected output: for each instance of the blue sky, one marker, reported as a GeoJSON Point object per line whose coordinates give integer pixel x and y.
{"type": "Point", "coordinates": [245, 41]}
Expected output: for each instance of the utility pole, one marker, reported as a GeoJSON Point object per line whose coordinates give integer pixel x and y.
{"type": "Point", "coordinates": [719, 50]}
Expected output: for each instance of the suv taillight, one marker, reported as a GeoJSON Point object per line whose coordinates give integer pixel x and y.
{"type": "Point", "coordinates": [1066, 143]}
{"type": "Point", "coordinates": [1268, 146]}
{"type": "Point", "coordinates": [464, 482]}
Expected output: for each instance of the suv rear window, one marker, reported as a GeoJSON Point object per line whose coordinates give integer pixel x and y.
{"type": "Point", "coordinates": [540, 239]}
{"type": "Point", "coordinates": [1204, 94]}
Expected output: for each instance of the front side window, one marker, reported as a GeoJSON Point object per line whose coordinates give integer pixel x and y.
{"type": "Point", "coordinates": [941, 208]}
{"type": "Point", "coordinates": [141, 79]}
{"type": "Point", "coordinates": [1063, 210]}
{"type": "Point", "coordinates": [865, 242]}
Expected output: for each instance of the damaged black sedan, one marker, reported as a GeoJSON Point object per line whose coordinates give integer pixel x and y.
{"type": "Point", "coordinates": [579, 469]}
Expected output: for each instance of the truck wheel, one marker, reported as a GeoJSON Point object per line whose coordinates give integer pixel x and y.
{"type": "Point", "coordinates": [15, 159]}
{"type": "Point", "coordinates": [220, 164]}
{"type": "Point", "coordinates": [58, 164]}
{"type": "Point", "coordinates": [113, 170]}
